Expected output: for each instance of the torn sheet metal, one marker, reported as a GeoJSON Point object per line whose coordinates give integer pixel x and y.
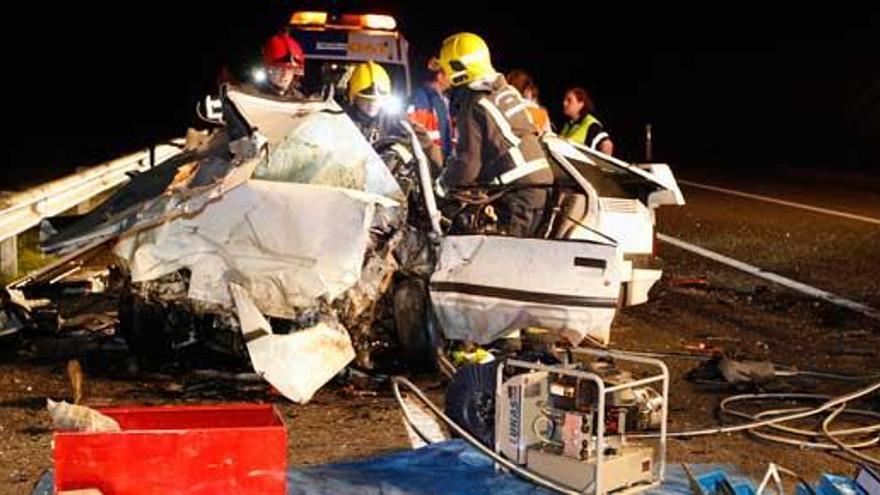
{"type": "Point", "coordinates": [124, 218]}
{"type": "Point", "coordinates": [315, 143]}
{"type": "Point", "coordinates": [273, 118]}
{"type": "Point", "coordinates": [671, 195]}
{"type": "Point", "coordinates": [169, 182]}
{"type": "Point", "coordinates": [362, 302]}
{"type": "Point", "coordinates": [311, 143]}
{"type": "Point", "coordinates": [657, 176]}
{"type": "Point", "coordinates": [572, 287]}
{"type": "Point", "coordinates": [292, 246]}
{"type": "Point", "coordinates": [296, 364]}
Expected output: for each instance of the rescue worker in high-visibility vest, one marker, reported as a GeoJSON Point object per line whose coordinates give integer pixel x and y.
{"type": "Point", "coordinates": [583, 127]}
{"type": "Point", "coordinates": [429, 107]}
{"type": "Point", "coordinates": [498, 147]}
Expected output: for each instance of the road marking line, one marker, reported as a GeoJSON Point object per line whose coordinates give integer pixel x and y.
{"type": "Point", "coordinates": [778, 279]}
{"type": "Point", "coordinates": [827, 211]}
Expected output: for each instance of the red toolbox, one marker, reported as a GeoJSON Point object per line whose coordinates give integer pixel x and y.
{"type": "Point", "coordinates": [226, 448]}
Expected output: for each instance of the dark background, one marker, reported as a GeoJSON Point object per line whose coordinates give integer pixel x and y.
{"type": "Point", "coordinates": [746, 85]}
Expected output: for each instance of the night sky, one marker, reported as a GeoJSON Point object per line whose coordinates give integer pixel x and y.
{"type": "Point", "coordinates": [742, 85]}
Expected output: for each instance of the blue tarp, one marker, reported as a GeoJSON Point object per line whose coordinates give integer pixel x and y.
{"type": "Point", "coordinates": [451, 467]}
{"type": "Point", "coordinates": [440, 468]}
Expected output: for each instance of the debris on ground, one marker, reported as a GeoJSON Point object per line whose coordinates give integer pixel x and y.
{"type": "Point", "coordinates": [702, 348]}
{"type": "Point", "coordinates": [733, 372]}
{"type": "Point", "coordinates": [690, 282]}
{"type": "Point", "coordinates": [76, 377]}
{"type": "Point", "coordinates": [737, 372]}
{"type": "Point", "coordinates": [228, 376]}
{"type": "Point", "coordinates": [67, 416]}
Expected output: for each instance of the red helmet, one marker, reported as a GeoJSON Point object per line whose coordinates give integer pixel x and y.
{"type": "Point", "coordinates": [282, 49]}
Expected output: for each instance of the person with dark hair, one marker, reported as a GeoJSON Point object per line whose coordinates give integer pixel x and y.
{"type": "Point", "coordinates": [429, 108]}
{"type": "Point", "coordinates": [583, 127]}
{"type": "Point", "coordinates": [523, 82]}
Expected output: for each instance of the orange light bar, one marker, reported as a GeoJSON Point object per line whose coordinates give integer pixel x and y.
{"type": "Point", "coordinates": [376, 21]}
{"type": "Point", "coordinates": [369, 21]}
{"type": "Point", "coordinates": [309, 18]}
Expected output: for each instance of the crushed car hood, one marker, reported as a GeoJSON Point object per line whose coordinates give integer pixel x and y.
{"type": "Point", "coordinates": [308, 142]}
{"type": "Point", "coordinates": [288, 245]}
{"type": "Point", "coordinates": [271, 215]}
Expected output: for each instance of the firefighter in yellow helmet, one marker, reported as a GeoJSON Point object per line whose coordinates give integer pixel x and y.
{"type": "Point", "coordinates": [369, 104]}
{"type": "Point", "coordinates": [368, 95]}
{"type": "Point", "coordinates": [498, 148]}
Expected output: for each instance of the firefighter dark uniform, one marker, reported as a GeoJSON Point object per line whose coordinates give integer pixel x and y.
{"type": "Point", "coordinates": [374, 128]}
{"type": "Point", "coordinates": [498, 146]}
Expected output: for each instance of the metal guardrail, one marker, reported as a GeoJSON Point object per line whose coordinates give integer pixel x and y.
{"type": "Point", "coordinates": [24, 210]}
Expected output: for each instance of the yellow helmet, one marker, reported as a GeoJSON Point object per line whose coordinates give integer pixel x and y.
{"type": "Point", "coordinates": [465, 57]}
{"type": "Point", "coordinates": [368, 80]}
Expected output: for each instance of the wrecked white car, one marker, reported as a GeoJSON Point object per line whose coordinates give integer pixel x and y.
{"type": "Point", "coordinates": [283, 235]}
{"type": "Point", "coordinates": [595, 256]}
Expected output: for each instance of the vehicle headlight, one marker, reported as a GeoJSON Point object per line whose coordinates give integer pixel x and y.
{"type": "Point", "coordinates": [259, 75]}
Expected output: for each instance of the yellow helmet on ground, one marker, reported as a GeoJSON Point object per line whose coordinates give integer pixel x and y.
{"type": "Point", "coordinates": [369, 80]}
{"type": "Point", "coordinates": [465, 57]}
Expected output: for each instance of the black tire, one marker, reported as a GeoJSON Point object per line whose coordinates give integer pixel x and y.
{"type": "Point", "coordinates": [470, 400]}
{"type": "Point", "coordinates": [414, 322]}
